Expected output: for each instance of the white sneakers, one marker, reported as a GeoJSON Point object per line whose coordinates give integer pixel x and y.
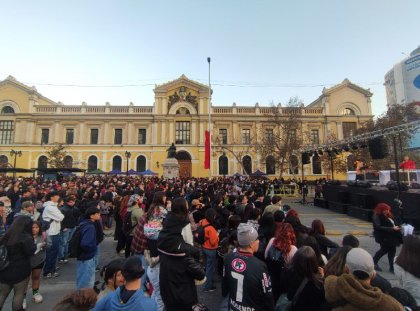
{"type": "Point", "coordinates": [37, 298]}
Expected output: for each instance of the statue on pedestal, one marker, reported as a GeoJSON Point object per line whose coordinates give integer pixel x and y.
{"type": "Point", "coordinates": [171, 151]}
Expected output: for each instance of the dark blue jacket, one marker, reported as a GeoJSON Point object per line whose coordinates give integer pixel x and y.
{"type": "Point", "coordinates": [88, 246]}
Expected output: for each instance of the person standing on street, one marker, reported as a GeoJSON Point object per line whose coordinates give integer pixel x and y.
{"type": "Point", "coordinates": [68, 226]}
{"type": "Point", "coordinates": [246, 283]}
{"type": "Point", "coordinates": [86, 263]}
{"type": "Point", "coordinates": [53, 216]}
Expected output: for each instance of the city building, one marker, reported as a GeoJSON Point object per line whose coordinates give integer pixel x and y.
{"type": "Point", "coordinates": [97, 137]}
{"type": "Point", "coordinates": [402, 82]}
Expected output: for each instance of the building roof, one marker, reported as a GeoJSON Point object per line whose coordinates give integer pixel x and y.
{"type": "Point", "coordinates": [181, 80]}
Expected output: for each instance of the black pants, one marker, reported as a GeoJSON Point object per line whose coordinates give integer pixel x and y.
{"type": "Point", "coordinates": [128, 241]}
{"type": "Point", "coordinates": [385, 249]}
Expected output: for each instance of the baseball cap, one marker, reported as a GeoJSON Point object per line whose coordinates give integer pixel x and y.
{"type": "Point", "coordinates": [246, 234]}
{"type": "Point", "coordinates": [360, 260]}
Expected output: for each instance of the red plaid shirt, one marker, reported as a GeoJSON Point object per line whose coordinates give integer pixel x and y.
{"type": "Point", "coordinates": [139, 243]}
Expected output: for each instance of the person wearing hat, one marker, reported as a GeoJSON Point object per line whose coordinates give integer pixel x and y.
{"type": "Point", "coordinates": [27, 208]}
{"type": "Point", "coordinates": [246, 283]}
{"type": "Point", "coordinates": [129, 296]}
{"type": "Point", "coordinates": [86, 263]}
{"type": "Point", "coordinates": [53, 217]}
{"type": "Point", "coordinates": [353, 291]}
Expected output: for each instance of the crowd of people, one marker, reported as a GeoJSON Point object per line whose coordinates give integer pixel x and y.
{"type": "Point", "coordinates": [174, 235]}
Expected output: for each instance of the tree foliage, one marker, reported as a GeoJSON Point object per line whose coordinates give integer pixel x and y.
{"type": "Point", "coordinates": [55, 155]}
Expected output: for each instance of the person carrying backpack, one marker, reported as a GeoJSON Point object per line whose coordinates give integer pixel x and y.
{"type": "Point", "coordinates": [210, 245]}
{"type": "Point", "coordinates": [86, 263]}
{"type": "Point", "coordinates": [132, 217]}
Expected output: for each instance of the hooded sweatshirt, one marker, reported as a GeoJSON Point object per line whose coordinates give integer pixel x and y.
{"type": "Point", "coordinates": [52, 214]}
{"type": "Point", "coordinates": [137, 302]}
{"type": "Point", "coordinates": [346, 293]}
{"type": "Point", "coordinates": [88, 242]}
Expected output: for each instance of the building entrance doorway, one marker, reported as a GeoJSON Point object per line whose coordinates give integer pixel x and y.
{"type": "Point", "coordinates": [185, 165]}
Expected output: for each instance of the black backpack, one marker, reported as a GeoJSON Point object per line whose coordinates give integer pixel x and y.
{"type": "Point", "coordinates": [4, 258]}
{"type": "Point", "coordinates": [200, 234]}
{"type": "Point", "coordinates": [74, 244]}
{"type": "Point", "coordinates": [127, 227]}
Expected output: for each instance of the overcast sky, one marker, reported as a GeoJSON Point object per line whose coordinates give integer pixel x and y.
{"type": "Point", "coordinates": [262, 51]}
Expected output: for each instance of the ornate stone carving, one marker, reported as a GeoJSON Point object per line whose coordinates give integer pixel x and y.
{"type": "Point", "coordinates": [182, 95]}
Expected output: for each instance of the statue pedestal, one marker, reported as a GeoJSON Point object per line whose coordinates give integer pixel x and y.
{"type": "Point", "coordinates": [170, 168]}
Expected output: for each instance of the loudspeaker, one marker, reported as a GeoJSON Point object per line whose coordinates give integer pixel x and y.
{"type": "Point", "coordinates": [364, 184]}
{"type": "Point", "coordinates": [338, 207]}
{"type": "Point", "coordinates": [352, 183]}
{"type": "Point", "coordinates": [333, 182]}
{"type": "Point", "coordinates": [343, 197]}
{"type": "Point", "coordinates": [392, 185]}
{"type": "Point", "coordinates": [305, 158]}
{"type": "Point", "coordinates": [361, 213]}
{"type": "Point", "coordinates": [364, 201]}
{"type": "Point", "coordinates": [320, 203]}
{"type": "Point", "coordinates": [378, 148]}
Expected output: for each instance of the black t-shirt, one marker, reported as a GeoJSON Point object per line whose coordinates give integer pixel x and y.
{"type": "Point", "coordinates": [247, 283]}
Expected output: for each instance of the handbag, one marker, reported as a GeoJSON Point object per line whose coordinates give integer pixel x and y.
{"type": "Point", "coordinates": [284, 304]}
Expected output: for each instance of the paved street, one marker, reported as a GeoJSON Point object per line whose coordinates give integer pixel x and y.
{"type": "Point", "coordinates": [337, 225]}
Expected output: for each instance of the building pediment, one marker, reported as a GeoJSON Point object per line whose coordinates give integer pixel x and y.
{"type": "Point", "coordinates": [182, 81]}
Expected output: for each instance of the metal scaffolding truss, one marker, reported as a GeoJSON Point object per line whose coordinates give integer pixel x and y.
{"type": "Point", "coordinates": [363, 138]}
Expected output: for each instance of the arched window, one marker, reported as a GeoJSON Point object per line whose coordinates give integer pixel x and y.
{"type": "Point", "coordinates": [293, 165]}
{"type": "Point", "coordinates": [348, 112]}
{"type": "Point", "coordinates": [270, 165]}
{"type": "Point", "coordinates": [92, 163]}
{"type": "Point", "coordinates": [316, 165]}
{"type": "Point", "coordinates": [117, 163]}
{"type": "Point", "coordinates": [247, 164]}
{"type": "Point", "coordinates": [141, 164]}
{"type": "Point", "coordinates": [223, 165]}
{"type": "Point", "coordinates": [3, 161]}
{"type": "Point", "coordinates": [7, 109]}
{"type": "Point", "coordinates": [42, 162]}
{"type": "Point", "coordinates": [350, 162]}
{"type": "Point", "coordinates": [68, 161]}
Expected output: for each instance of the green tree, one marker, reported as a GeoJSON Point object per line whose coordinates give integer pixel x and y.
{"type": "Point", "coordinates": [55, 155]}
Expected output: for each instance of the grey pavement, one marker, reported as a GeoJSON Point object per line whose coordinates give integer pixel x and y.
{"type": "Point", "coordinates": [336, 225]}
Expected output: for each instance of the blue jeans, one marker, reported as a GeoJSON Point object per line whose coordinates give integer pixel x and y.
{"type": "Point", "coordinates": [85, 276]}
{"type": "Point", "coordinates": [211, 263]}
{"type": "Point", "coordinates": [52, 254]}
{"type": "Point", "coordinates": [63, 250]}
{"type": "Point", "coordinates": [153, 275]}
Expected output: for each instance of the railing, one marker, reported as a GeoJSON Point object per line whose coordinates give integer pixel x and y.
{"type": "Point", "coordinates": [245, 110]}
{"type": "Point", "coordinates": [97, 109]}
{"type": "Point", "coordinates": [46, 109]}
{"type": "Point", "coordinates": [119, 110]}
{"type": "Point", "coordinates": [313, 111]}
{"type": "Point", "coordinates": [143, 109]}
{"type": "Point", "coordinates": [71, 109]}
{"type": "Point", "coordinates": [224, 110]}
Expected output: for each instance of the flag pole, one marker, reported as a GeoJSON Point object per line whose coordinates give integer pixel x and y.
{"type": "Point", "coordinates": [209, 121]}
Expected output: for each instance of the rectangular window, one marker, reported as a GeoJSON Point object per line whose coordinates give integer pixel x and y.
{"type": "Point", "coordinates": [45, 136]}
{"type": "Point", "coordinates": [94, 133]}
{"type": "Point", "coordinates": [142, 136]}
{"type": "Point", "coordinates": [6, 132]}
{"type": "Point", "coordinates": [246, 136]}
{"type": "Point", "coordinates": [349, 129]}
{"type": "Point", "coordinates": [69, 136]}
{"type": "Point", "coordinates": [182, 133]}
{"type": "Point", "coordinates": [223, 136]}
{"type": "Point", "coordinates": [292, 136]}
{"type": "Point", "coordinates": [118, 136]}
{"type": "Point", "coordinates": [269, 136]}
{"type": "Point", "coordinates": [315, 137]}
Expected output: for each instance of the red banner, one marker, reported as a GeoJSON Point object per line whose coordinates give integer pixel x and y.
{"type": "Point", "coordinates": [207, 148]}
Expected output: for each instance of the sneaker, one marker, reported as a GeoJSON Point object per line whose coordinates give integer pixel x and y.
{"type": "Point", "coordinates": [24, 304]}
{"type": "Point", "coordinates": [377, 268]}
{"type": "Point", "coordinates": [37, 298]}
{"type": "Point", "coordinates": [97, 269]}
{"type": "Point", "coordinates": [51, 275]}
{"type": "Point", "coordinates": [211, 289]}
{"type": "Point", "coordinates": [63, 261]}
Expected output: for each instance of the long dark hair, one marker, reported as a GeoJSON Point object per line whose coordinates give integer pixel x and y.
{"type": "Point", "coordinates": [157, 201]}
{"type": "Point", "coordinates": [179, 208]}
{"type": "Point", "coordinates": [312, 242]}
{"type": "Point", "coordinates": [22, 225]}
{"type": "Point", "coordinates": [305, 264]}
{"type": "Point", "coordinates": [408, 259]}
{"type": "Point", "coordinates": [335, 266]}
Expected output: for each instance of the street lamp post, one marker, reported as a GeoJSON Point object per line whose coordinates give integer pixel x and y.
{"type": "Point", "coordinates": [15, 154]}
{"type": "Point", "coordinates": [128, 156]}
